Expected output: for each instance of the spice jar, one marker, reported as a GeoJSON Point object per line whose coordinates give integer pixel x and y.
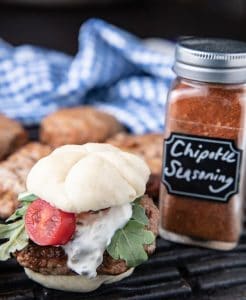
{"type": "Point", "coordinates": [203, 168]}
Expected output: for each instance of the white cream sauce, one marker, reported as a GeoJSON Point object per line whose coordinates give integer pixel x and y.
{"type": "Point", "coordinates": [85, 250]}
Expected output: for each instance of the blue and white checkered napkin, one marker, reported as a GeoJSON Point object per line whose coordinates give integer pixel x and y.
{"type": "Point", "coordinates": [112, 70]}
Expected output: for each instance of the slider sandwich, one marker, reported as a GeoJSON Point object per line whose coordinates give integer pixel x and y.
{"type": "Point", "coordinates": [84, 219]}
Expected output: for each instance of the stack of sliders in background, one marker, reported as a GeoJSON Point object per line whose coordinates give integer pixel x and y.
{"type": "Point", "coordinates": [84, 219]}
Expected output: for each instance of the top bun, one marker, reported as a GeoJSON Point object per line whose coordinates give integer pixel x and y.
{"type": "Point", "coordinates": [78, 178]}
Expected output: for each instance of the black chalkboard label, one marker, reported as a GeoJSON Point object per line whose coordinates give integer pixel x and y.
{"type": "Point", "coordinates": [203, 168]}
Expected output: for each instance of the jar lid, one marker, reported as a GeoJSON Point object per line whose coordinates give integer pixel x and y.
{"type": "Point", "coordinates": [211, 60]}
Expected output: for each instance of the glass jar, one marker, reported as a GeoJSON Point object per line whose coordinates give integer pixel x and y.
{"type": "Point", "coordinates": [201, 190]}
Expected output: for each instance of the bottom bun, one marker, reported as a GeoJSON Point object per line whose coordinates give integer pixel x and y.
{"type": "Point", "coordinates": [75, 283]}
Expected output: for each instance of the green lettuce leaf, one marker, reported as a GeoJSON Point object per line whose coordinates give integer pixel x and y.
{"type": "Point", "coordinates": [128, 242]}
{"type": "Point", "coordinates": [25, 199]}
{"type": "Point", "coordinates": [15, 230]}
{"type": "Point", "coordinates": [18, 240]}
{"type": "Point", "coordinates": [138, 213]}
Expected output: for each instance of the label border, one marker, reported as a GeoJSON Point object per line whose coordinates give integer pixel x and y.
{"type": "Point", "coordinates": [208, 139]}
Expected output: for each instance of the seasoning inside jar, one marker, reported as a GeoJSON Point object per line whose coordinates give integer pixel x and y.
{"type": "Point", "coordinates": [201, 191]}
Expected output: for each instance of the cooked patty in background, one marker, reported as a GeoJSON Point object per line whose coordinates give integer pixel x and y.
{"type": "Point", "coordinates": [149, 146]}
{"type": "Point", "coordinates": [78, 125]}
{"type": "Point", "coordinates": [52, 260]}
{"type": "Point", "coordinates": [12, 136]}
{"type": "Point", "coordinates": [13, 173]}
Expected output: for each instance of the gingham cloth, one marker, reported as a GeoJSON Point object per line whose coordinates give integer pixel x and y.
{"type": "Point", "coordinates": [113, 70]}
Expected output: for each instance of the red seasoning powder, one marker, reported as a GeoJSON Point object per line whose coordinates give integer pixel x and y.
{"type": "Point", "coordinates": [201, 194]}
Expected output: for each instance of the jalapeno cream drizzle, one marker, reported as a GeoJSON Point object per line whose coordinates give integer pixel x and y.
{"type": "Point", "coordinates": [85, 250]}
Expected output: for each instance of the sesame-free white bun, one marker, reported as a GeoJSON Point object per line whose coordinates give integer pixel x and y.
{"type": "Point", "coordinates": [78, 178]}
{"type": "Point", "coordinates": [75, 283]}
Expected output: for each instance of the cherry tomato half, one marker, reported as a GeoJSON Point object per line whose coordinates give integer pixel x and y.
{"type": "Point", "coordinates": [47, 225]}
